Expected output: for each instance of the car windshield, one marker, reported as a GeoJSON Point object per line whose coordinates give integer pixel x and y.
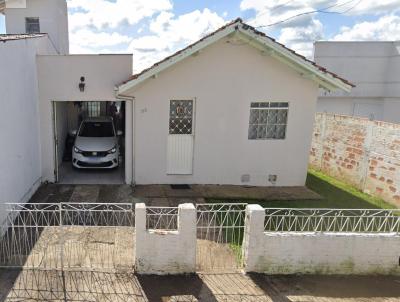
{"type": "Point", "coordinates": [96, 129]}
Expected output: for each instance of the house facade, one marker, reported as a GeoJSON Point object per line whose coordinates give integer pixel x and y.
{"type": "Point", "coordinates": [373, 67]}
{"type": "Point", "coordinates": [234, 108]}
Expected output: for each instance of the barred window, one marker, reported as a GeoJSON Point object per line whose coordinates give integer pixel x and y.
{"type": "Point", "coordinates": [268, 120]}
{"type": "Point", "coordinates": [32, 25]}
{"type": "Point", "coordinates": [181, 117]}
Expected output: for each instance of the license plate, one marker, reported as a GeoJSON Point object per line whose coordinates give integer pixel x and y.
{"type": "Point", "coordinates": [94, 153]}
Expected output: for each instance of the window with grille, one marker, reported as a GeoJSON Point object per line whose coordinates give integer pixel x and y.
{"type": "Point", "coordinates": [32, 25]}
{"type": "Point", "coordinates": [92, 109]}
{"type": "Point", "coordinates": [268, 120]}
{"type": "Point", "coordinates": [181, 117]}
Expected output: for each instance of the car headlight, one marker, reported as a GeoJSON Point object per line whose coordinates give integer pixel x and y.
{"type": "Point", "coordinates": [113, 150]}
{"type": "Point", "coordinates": [76, 150]}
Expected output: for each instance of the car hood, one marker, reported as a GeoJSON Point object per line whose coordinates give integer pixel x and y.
{"type": "Point", "coordinates": [95, 143]}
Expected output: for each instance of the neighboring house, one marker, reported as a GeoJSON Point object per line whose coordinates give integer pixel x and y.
{"type": "Point", "coordinates": [234, 108]}
{"type": "Point", "coordinates": [373, 67]}
{"type": "Point", "coordinates": [37, 80]}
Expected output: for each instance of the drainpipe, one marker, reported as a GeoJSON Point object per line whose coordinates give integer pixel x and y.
{"type": "Point", "coordinates": [130, 100]}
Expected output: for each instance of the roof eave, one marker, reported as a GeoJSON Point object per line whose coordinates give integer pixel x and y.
{"type": "Point", "coordinates": [279, 52]}
{"type": "Point", "coordinates": [324, 80]}
{"type": "Point", "coordinates": [122, 89]}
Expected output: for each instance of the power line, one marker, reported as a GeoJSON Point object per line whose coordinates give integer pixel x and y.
{"type": "Point", "coordinates": [323, 11]}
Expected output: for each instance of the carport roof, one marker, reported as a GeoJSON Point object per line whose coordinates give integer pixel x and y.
{"type": "Point", "coordinates": [325, 78]}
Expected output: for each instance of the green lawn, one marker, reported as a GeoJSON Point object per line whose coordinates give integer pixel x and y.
{"type": "Point", "coordinates": [336, 194]}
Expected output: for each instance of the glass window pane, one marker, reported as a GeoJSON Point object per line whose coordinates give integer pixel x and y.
{"type": "Point", "coordinates": [273, 116]}
{"type": "Point", "coordinates": [263, 116]}
{"type": "Point", "coordinates": [261, 131]}
{"type": "Point", "coordinates": [282, 117]}
{"type": "Point", "coordinates": [254, 116]}
{"type": "Point", "coordinates": [280, 132]}
{"type": "Point", "coordinates": [271, 130]}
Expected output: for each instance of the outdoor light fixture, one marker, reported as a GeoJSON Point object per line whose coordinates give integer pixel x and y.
{"type": "Point", "coordinates": [82, 84]}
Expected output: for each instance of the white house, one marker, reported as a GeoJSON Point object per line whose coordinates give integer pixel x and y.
{"type": "Point", "coordinates": [373, 67]}
{"type": "Point", "coordinates": [234, 108]}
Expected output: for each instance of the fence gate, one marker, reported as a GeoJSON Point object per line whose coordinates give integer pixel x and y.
{"type": "Point", "coordinates": [95, 236]}
{"type": "Point", "coordinates": [220, 229]}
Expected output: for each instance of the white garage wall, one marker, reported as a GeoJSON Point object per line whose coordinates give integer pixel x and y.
{"type": "Point", "coordinates": [59, 77]}
{"type": "Point", "coordinates": [224, 79]}
{"type": "Point", "coordinates": [20, 150]}
{"type": "Point", "coordinates": [61, 127]}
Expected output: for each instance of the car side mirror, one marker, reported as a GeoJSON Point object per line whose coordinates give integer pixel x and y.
{"type": "Point", "coordinates": [119, 133]}
{"type": "Point", "coordinates": [74, 132]}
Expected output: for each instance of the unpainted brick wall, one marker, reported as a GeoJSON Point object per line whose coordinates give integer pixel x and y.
{"type": "Point", "coordinates": [360, 152]}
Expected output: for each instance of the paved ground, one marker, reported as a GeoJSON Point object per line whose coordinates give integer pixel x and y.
{"type": "Point", "coordinates": [164, 195]}
{"type": "Point", "coordinates": [36, 285]}
{"type": "Point", "coordinates": [98, 266]}
{"type": "Point", "coordinates": [69, 175]}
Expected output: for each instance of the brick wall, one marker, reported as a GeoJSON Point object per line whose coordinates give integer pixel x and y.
{"type": "Point", "coordinates": [360, 152]}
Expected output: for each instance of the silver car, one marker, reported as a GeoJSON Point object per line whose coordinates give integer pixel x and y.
{"type": "Point", "coordinates": [96, 145]}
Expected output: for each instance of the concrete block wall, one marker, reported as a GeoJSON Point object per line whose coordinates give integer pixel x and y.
{"type": "Point", "coordinates": [317, 253]}
{"type": "Point", "coordinates": [360, 152]}
{"type": "Point", "coordinates": [166, 252]}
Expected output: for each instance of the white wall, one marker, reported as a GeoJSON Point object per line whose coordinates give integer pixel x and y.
{"type": "Point", "coordinates": [59, 77]}
{"type": "Point", "coordinates": [224, 79]}
{"type": "Point", "coordinates": [316, 253]}
{"type": "Point", "coordinates": [53, 19]}
{"type": "Point", "coordinates": [373, 67]}
{"type": "Point", "coordinates": [20, 139]}
{"type": "Point", "coordinates": [166, 252]}
{"type": "Point", "coordinates": [61, 128]}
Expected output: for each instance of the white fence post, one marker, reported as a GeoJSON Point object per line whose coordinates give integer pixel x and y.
{"type": "Point", "coordinates": [165, 252]}
{"type": "Point", "coordinates": [253, 233]}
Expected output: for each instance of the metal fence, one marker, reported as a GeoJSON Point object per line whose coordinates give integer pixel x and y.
{"type": "Point", "coordinates": [97, 236]}
{"type": "Point", "coordinates": [162, 218]}
{"type": "Point", "coordinates": [332, 220]}
{"type": "Point", "coordinates": [220, 229]}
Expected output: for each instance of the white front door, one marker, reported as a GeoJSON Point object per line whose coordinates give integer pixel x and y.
{"type": "Point", "coordinates": [180, 137]}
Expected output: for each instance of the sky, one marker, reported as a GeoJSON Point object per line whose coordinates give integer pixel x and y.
{"type": "Point", "coordinates": [154, 29]}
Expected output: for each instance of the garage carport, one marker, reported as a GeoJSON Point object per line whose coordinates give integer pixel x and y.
{"type": "Point", "coordinates": [71, 89]}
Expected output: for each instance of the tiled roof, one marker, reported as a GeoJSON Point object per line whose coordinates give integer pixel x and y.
{"type": "Point", "coordinates": [12, 37]}
{"type": "Point", "coordinates": [247, 27]}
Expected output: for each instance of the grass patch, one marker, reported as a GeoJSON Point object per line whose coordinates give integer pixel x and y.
{"type": "Point", "coordinates": [335, 195]}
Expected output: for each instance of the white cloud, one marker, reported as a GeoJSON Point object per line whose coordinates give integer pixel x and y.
{"type": "Point", "coordinates": [170, 33]}
{"type": "Point", "coordinates": [103, 13]}
{"type": "Point", "coordinates": [85, 41]}
{"type": "Point", "coordinates": [300, 32]}
{"type": "Point", "coordinates": [300, 38]}
{"type": "Point", "coordinates": [385, 28]}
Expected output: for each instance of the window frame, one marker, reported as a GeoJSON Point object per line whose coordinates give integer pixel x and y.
{"type": "Point", "coordinates": [266, 123]}
{"type": "Point", "coordinates": [28, 24]}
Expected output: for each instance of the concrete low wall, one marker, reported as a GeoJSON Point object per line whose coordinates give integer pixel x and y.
{"type": "Point", "coordinates": [166, 252]}
{"type": "Point", "coordinates": [317, 253]}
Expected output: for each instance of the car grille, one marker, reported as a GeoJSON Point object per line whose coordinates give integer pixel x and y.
{"type": "Point", "coordinates": [94, 154]}
{"type": "Point", "coordinates": [95, 165]}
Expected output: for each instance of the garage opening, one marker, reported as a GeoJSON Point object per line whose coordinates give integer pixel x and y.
{"type": "Point", "coordinates": [89, 142]}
